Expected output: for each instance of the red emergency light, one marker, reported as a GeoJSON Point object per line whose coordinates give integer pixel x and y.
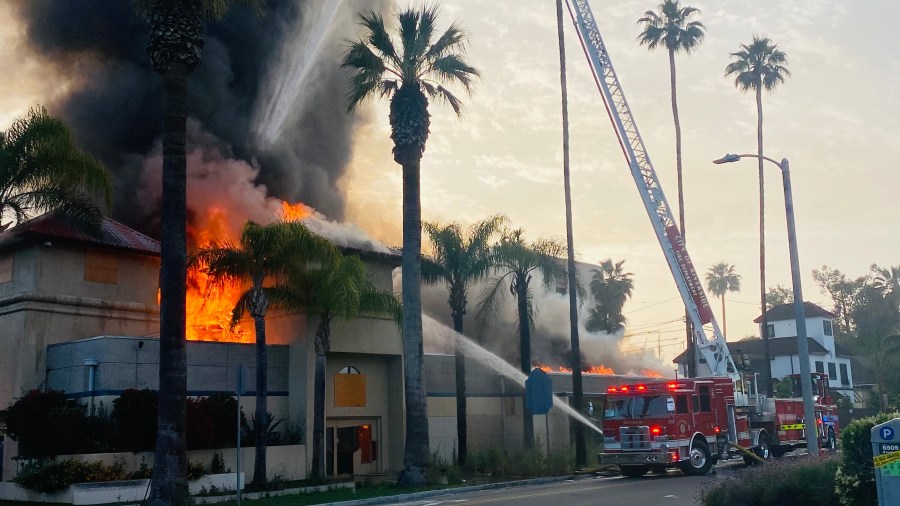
{"type": "Point", "coordinates": [641, 388]}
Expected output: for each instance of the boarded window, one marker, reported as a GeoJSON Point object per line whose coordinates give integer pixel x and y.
{"type": "Point", "coordinates": [820, 366]}
{"type": "Point", "coordinates": [6, 268]}
{"type": "Point", "coordinates": [832, 371]}
{"type": "Point", "coordinates": [845, 377]}
{"type": "Point", "coordinates": [350, 388]}
{"type": "Point", "coordinates": [101, 268]}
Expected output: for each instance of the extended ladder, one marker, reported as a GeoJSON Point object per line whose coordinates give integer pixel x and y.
{"type": "Point", "coordinates": [670, 239]}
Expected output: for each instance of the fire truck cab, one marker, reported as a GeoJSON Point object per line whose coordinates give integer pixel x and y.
{"type": "Point", "coordinates": [691, 423]}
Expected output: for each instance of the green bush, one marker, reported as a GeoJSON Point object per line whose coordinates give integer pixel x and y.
{"type": "Point", "coordinates": [47, 424]}
{"type": "Point", "coordinates": [211, 422]}
{"type": "Point", "coordinates": [134, 417]}
{"type": "Point", "coordinates": [855, 480]}
{"type": "Point", "coordinates": [786, 482]}
{"type": "Point", "coordinates": [54, 476]}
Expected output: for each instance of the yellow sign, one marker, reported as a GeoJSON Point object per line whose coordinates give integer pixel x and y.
{"type": "Point", "coordinates": [887, 458]}
{"type": "Point", "coordinates": [793, 426]}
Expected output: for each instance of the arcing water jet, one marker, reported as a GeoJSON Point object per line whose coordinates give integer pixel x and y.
{"type": "Point", "coordinates": [434, 329]}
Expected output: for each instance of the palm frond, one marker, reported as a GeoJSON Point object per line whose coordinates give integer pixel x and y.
{"type": "Point", "coordinates": [453, 39]}
{"type": "Point", "coordinates": [379, 38]}
{"type": "Point", "coordinates": [452, 68]}
{"type": "Point", "coordinates": [490, 301]}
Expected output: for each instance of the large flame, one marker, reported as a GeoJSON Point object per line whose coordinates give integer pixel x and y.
{"type": "Point", "coordinates": [209, 308]}
{"type": "Point", "coordinates": [596, 370]}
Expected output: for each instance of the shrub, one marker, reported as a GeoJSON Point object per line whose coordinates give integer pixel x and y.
{"type": "Point", "coordinates": [57, 475]}
{"type": "Point", "coordinates": [134, 417]}
{"type": "Point", "coordinates": [787, 482]}
{"type": "Point", "coordinates": [212, 422]}
{"type": "Point", "coordinates": [47, 424]}
{"type": "Point", "coordinates": [855, 480]}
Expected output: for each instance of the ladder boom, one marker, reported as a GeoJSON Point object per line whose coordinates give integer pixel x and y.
{"type": "Point", "coordinates": [670, 239]}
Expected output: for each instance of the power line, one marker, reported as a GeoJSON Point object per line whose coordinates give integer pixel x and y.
{"type": "Point", "coordinates": [651, 305]}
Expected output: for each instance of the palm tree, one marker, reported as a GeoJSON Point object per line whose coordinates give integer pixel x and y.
{"type": "Point", "coordinates": [339, 288]}
{"type": "Point", "coordinates": [458, 259]}
{"type": "Point", "coordinates": [42, 170]}
{"type": "Point", "coordinates": [263, 256]}
{"type": "Point", "coordinates": [672, 28]}
{"type": "Point", "coordinates": [720, 279]}
{"type": "Point", "coordinates": [515, 261]}
{"type": "Point", "coordinates": [406, 69]}
{"type": "Point", "coordinates": [887, 281]}
{"type": "Point", "coordinates": [757, 66]}
{"type": "Point", "coordinates": [577, 384]}
{"type": "Point", "coordinates": [174, 46]}
{"type": "Point", "coordinates": [610, 287]}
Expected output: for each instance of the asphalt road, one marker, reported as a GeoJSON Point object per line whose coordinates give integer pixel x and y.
{"type": "Point", "coordinates": [657, 489]}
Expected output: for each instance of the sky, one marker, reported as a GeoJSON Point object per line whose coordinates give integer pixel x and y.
{"type": "Point", "coordinates": [834, 119]}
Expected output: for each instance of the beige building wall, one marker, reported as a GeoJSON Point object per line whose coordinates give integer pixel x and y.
{"type": "Point", "coordinates": [46, 299]}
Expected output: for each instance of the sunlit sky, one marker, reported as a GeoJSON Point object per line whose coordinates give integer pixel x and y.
{"type": "Point", "coordinates": [834, 119]}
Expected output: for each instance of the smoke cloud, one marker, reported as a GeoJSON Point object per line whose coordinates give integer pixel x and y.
{"type": "Point", "coordinates": [550, 340]}
{"type": "Point", "coordinates": [114, 105]}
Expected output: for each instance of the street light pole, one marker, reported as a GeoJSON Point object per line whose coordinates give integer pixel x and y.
{"type": "Point", "coordinates": [809, 415]}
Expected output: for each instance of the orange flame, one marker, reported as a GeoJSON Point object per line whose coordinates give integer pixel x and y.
{"type": "Point", "coordinates": [650, 373]}
{"type": "Point", "coordinates": [292, 212]}
{"type": "Point", "coordinates": [597, 370]}
{"type": "Point", "coordinates": [209, 308]}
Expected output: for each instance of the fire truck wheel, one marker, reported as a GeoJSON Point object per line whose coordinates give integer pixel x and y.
{"type": "Point", "coordinates": [633, 471]}
{"type": "Point", "coordinates": [762, 450]}
{"type": "Point", "coordinates": [699, 460]}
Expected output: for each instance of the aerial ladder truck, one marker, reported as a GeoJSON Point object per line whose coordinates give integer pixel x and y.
{"type": "Point", "coordinates": [688, 423]}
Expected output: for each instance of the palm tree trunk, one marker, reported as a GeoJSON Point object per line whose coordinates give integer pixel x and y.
{"type": "Point", "coordinates": [767, 368]}
{"type": "Point", "coordinates": [415, 454]}
{"type": "Point", "coordinates": [525, 354]}
{"type": "Point", "coordinates": [724, 321]}
{"type": "Point", "coordinates": [169, 484]}
{"type": "Point", "coordinates": [318, 441]}
{"type": "Point", "coordinates": [262, 365]}
{"type": "Point", "coordinates": [462, 428]}
{"type": "Point", "coordinates": [577, 386]}
{"type": "Point", "coordinates": [688, 332]}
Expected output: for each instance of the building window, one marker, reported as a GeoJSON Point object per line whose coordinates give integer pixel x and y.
{"type": "Point", "coordinates": [820, 366]}
{"type": "Point", "coordinates": [770, 330]}
{"type": "Point", "coordinates": [6, 268]}
{"type": "Point", "coordinates": [832, 371]}
{"type": "Point", "coordinates": [845, 377]}
{"type": "Point", "coordinates": [101, 268]}
{"type": "Point", "coordinates": [350, 388]}
{"type": "Point", "coordinates": [826, 327]}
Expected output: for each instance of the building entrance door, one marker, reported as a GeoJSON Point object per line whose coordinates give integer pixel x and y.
{"type": "Point", "coordinates": [352, 446]}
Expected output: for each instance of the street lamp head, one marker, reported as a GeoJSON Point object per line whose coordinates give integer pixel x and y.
{"type": "Point", "coordinates": [727, 159]}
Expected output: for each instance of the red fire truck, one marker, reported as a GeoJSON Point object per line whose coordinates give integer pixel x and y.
{"type": "Point", "coordinates": [690, 423]}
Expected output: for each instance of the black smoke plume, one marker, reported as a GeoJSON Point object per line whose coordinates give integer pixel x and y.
{"type": "Point", "coordinates": [114, 106]}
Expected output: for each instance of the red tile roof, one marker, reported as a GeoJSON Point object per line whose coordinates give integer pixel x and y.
{"type": "Point", "coordinates": [112, 234]}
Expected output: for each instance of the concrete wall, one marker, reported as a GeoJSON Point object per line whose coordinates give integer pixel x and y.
{"type": "Point", "coordinates": [48, 301]}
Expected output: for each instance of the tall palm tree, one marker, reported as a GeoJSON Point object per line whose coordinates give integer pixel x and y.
{"type": "Point", "coordinates": [515, 261]}
{"type": "Point", "coordinates": [757, 66]}
{"type": "Point", "coordinates": [260, 260]}
{"type": "Point", "coordinates": [457, 259]}
{"type": "Point", "coordinates": [887, 281]}
{"type": "Point", "coordinates": [174, 46]}
{"type": "Point", "coordinates": [42, 170]}
{"type": "Point", "coordinates": [671, 27]}
{"type": "Point", "coordinates": [610, 287]}
{"type": "Point", "coordinates": [721, 279]}
{"type": "Point", "coordinates": [577, 385]}
{"type": "Point", "coordinates": [338, 288]}
{"type": "Point", "coordinates": [410, 68]}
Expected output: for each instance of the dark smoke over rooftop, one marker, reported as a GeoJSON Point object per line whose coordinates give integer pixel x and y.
{"type": "Point", "coordinates": [114, 106]}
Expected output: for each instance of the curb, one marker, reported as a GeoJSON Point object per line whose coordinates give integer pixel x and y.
{"type": "Point", "coordinates": [390, 499]}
